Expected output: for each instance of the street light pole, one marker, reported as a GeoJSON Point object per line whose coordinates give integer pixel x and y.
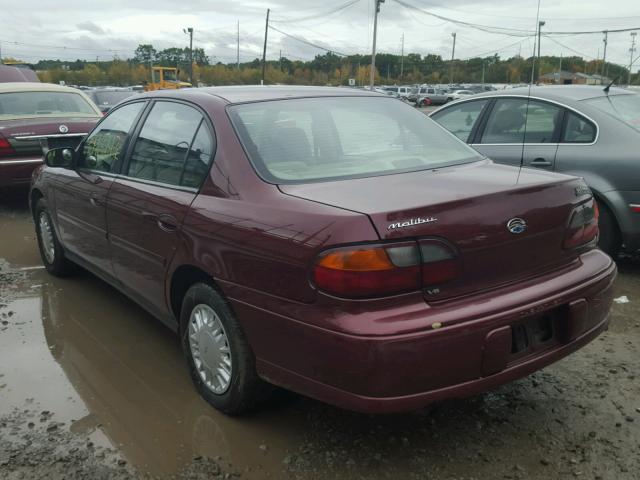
{"type": "Point", "coordinates": [264, 50]}
{"type": "Point", "coordinates": [631, 51]}
{"type": "Point", "coordinates": [372, 74]}
{"type": "Point", "coordinates": [453, 54]}
{"type": "Point", "coordinates": [189, 31]}
{"type": "Point", "coordinates": [541, 24]}
{"type": "Point", "coordinates": [604, 56]}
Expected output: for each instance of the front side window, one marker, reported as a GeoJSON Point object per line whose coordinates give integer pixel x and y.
{"type": "Point", "coordinates": [512, 117]}
{"type": "Point", "coordinates": [578, 129]}
{"type": "Point", "coordinates": [104, 147]}
{"type": "Point", "coordinates": [30, 104]}
{"type": "Point", "coordinates": [460, 119]}
{"type": "Point", "coordinates": [161, 149]}
{"type": "Point", "coordinates": [312, 139]}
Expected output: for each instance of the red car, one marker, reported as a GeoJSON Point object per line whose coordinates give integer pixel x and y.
{"type": "Point", "coordinates": [36, 114]}
{"type": "Point", "coordinates": [337, 243]}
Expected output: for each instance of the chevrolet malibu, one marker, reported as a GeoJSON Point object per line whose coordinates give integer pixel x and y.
{"type": "Point", "coordinates": [334, 242]}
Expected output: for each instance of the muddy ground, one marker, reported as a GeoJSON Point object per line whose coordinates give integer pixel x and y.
{"type": "Point", "coordinates": [93, 387]}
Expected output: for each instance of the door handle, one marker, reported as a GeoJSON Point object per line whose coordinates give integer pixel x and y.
{"type": "Point", "coordinates": [95, 201]}
{"type": "Point", "coordinates": [540, 162]}
{"type": "Point", "coordinates": [165, 222]}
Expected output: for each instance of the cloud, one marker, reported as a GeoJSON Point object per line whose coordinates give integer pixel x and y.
{"type": "Point", "coordinates": [91, 27]}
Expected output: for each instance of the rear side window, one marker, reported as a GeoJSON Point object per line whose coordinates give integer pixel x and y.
{"type": "Point", "coordinates": [506, 123]}
{"type": "Point", "coordinates": [168, 150]}
{"type": "Point", "coordinates": [578, 129]}
{"type": "Point", "coordinates": [460, 119]}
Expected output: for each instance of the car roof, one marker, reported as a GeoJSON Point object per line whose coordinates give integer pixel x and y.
{"type": "Point", "coordinates": [34, 87]}
{"type": "Point", "coordinates": [560, 92]}
{"type": "Point", "coordinates": [257, 93]}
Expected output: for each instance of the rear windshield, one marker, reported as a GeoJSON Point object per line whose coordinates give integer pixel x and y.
{"type": "Point", "coordinates": [28, 104]}
{"type": "Point", "coordinates": [315, 139]}
{"type": "Point", "coordinates": [623, 107]}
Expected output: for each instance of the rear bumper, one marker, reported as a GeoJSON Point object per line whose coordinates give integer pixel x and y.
{"type": "Point", "coordinates": [467, 355]}
{"type": "Point", "coordinates": [18, 170]}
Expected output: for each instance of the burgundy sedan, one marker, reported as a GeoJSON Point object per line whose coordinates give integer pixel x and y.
{"type": "Point", "coordinates": [334, 242]}
{"type": "Point", "coordinates": [33, 115]}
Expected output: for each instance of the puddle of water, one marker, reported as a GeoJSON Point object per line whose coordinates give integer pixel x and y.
{"type": "Point", "coordinates": [85, 352]}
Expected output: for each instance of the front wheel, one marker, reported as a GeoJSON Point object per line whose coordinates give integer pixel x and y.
{"type": "Point", "coordinates": [51, 251]}
{"type": "Point", "coordinates": [221, 362]}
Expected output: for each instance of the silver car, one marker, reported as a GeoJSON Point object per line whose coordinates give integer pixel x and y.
{"type": "Point", "coordinates": [577, 130]}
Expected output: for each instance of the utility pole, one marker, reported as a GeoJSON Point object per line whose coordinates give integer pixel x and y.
{"type": "Point", "coordinates": [560, 69]}
{"type": "Point", "coordinates": [631, 51]}
{"type": "Point", "coordinates": [372, 74]}
{"type": "Point", "coordinates": [402, 58]}
{"type": "Point", "coordinates": [453, 53]}
{"type": "Point", "coordinates": [189, 31]}
{"type": "Point", "coordinates": [541, 24]}
{"type": "Point", "coordinates": [483, 72]}
{"type": "Point", "coordinates": [264, 50]}
{"type": "Point", "coordinates": [238, 47]}
{"type": "Point", "coordinates": [280, 56]}
{"type": "Point", "coordinates": [603, 72]}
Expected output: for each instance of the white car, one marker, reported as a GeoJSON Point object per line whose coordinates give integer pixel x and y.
{"type": "Point", "coordinates": [458, 94]}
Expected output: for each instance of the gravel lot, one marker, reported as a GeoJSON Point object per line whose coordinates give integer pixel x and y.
{"type": "Point", "coordinates": [93, 387]}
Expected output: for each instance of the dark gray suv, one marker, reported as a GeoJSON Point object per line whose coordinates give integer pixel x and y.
{"type": "Point", "coordinates": [578, 130]}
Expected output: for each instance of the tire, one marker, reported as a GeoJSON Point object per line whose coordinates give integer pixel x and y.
{"type": "Point", "coordinates": [610, 239]}
{"type": "Point", "coordinates": [211, 336]}
{"type": "Point", "coordinates": [51, 251]}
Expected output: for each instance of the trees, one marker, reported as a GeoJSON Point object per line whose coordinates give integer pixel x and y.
{"type": "Point", "coordinates": [328, 68]}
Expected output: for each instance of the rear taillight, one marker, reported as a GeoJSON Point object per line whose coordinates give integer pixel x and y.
{"type": "Point", "coordinates": [384, 269]}
{"type": "Point", "coordinates": [5, 147]}
{"type": "Point", "coordinates": [439, 263]}
{"type": "Point", "coordinates": [583, 225]}
{"type": "Point", "coordinates": [635, 208]}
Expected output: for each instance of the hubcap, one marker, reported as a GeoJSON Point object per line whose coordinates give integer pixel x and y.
{"type": "Point", "coordinates": [46, 236]}
{"type": "Point", "coordinates": [210, 348]}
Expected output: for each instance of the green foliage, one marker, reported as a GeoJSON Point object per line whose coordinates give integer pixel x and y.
{"type": "Point", "coordinates": [327, 69]}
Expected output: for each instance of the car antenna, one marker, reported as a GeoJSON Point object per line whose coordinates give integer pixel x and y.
{"type": "Point", "coordinates": [526, 115]}
{"type": "Point", "coordinates": [606, 89]}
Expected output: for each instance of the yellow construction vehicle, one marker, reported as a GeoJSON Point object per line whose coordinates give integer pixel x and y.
{"type": "Point", "coordinates": [165, 78]}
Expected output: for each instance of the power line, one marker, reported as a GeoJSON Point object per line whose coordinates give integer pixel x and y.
{"type": "Point", "coordinates": [514, 32]}
{"type": "Point", "coordinates": [307, 42]}
{"type": "Point", "coordinates": [333, 10]}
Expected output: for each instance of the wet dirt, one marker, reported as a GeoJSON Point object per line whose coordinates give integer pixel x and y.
{"type": "Point", "coordinates": [91, 386]}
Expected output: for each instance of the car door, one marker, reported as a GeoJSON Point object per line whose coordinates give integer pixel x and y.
{"type": "Point", "coordinates": [80, 194]}
{"type": "Point", "coordinates": [167, 162]}
{"type": "Point", "coordinates": [518, 129]}
{"type": "Point", "coordinates": [461, 119]}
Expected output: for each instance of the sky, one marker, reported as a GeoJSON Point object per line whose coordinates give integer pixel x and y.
{"type": "Point", "coordinates": [71, 29]}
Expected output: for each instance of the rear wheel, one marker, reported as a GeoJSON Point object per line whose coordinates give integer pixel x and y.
{"type": "Point", "coordinates": [51, 251]}
{"type": "Point", "coordinates": [220, 360]}
{"type": "Point", "coordinates": [610, 239]}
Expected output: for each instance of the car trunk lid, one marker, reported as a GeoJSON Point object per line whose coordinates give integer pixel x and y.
{"type": "Point", "coordinates": [468, 206]}
{"type": "Point", "coordinates": [28, 136]}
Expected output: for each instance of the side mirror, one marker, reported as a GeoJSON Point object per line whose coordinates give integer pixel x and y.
{"type": "Point", "coordinates": [60, 157]}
